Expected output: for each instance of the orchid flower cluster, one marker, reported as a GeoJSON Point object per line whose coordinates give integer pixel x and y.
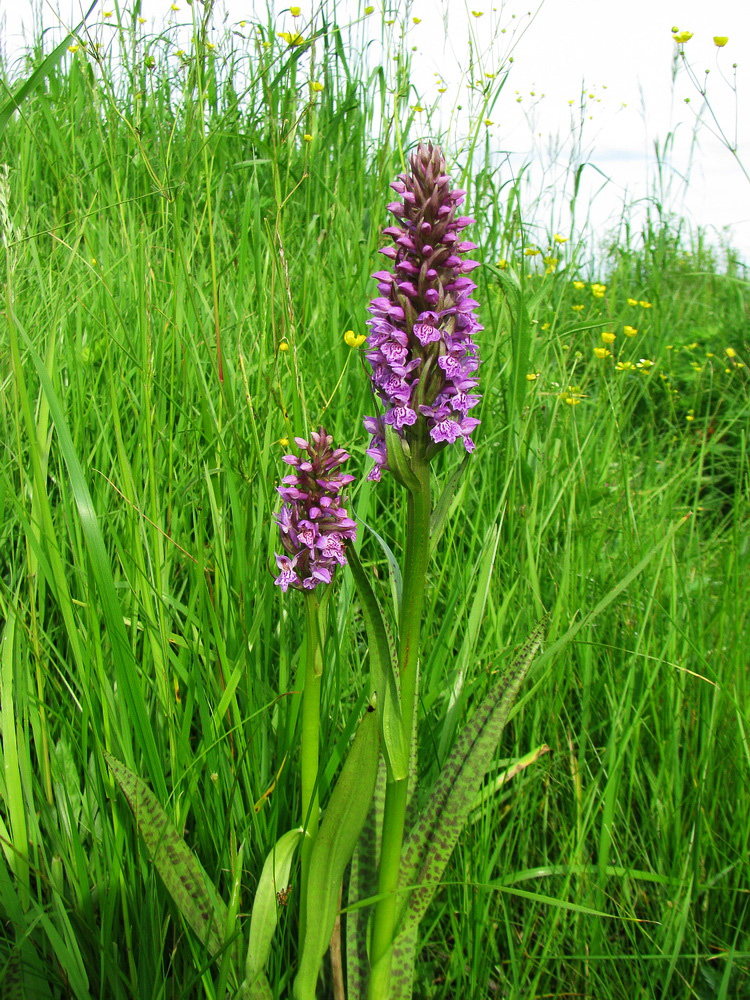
{"type": "Point", "coordinates": [313, 523]}
{"type": "Point", "coordinates": [423, 358]}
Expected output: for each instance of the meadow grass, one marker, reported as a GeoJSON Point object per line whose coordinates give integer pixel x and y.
{"type": "Point", "coordinates": [180, 265]}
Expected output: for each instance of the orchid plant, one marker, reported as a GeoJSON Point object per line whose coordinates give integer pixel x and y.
{"type": "Point", "coordinates": [424, 372]}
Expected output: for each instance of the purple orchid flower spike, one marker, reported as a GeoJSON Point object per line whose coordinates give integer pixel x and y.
{"type": "Point", "coordinates": [423, 358]}
{"type": "Point", "coordinates": [313, 522]}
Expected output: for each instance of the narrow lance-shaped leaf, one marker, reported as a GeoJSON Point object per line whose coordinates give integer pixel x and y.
{"type": "Point", "coordinates": [384, 673]}
{"type": "Point", "coordinates": [430, 843]}
{"type": "Point", "coordinates": [274, 878]}
{"type": "Point", "coordinates": [183, 875]}
{"type": "Point", "coordinates": [394, 570]}
{"type": "Point", "coordinates": [334, 846]}
{"type": "Point", "coordinates": [363, 883]}
{"type": "Point", "coordinates": [439, 516]}
{"type": "Point", "coordinates": [12, 979]}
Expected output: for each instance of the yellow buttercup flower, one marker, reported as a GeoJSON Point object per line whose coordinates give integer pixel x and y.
{"type": "Point", "coordinates": [602, 352]}
{"type": "Point", "coordinates": [578, 285]}
{"type": "Point", "coordinates": [682, 36]}
{"type": "Point", "coordinates": [632, 302]}
{"type": "Point", "coordinates": [644, 364]}
{"type": "Point", "coordinates": [354, 340]}
{"type": "Point", "coordinates": [730, 352]}
{"type": "Point", "coordinates": [720, 40]}
{"type": "Point", "coordinates": [608, 337]}
{"type": "Point", "coordinates": [291, 39]}
{"type": "Point", "coordinates": [532, 376]}
{"type": "Point", "coordinates": [560, 239]}
{"type": "Point", "coordinates": [598, 290]}
{"type": "Point", "coordinates": [545, 326]}
{"type": "Point", "coordinates": [284, 345]}
{"type": "Point", "coordinates": [294, 11]}
{"type": "Point", "coordinates": [477, 13]}
{"type": "Point", "coordinates": [630, 331]}
{"type": "Point", "coordinates": [106, 13]}
{"type": "Point", "coordinates": [284, 442]}
{"type": "Point", "coordinates": [72, 48]}
{"type": "Point", "coordinates": [532, 251]}
{"type": "Point", "coordinates": [488, 121]}
{"type": "Point", "coordinates": [625, 366]}
{"type": "Point", "coordinates": [141, 20]}
{"type": "Point", "coordinates": [316, 86]}
{"type": "Point", "coordinates": [577, 309]}
{"type": "Point", "coordinates": [644, 305]}
{"type": "Point", "coordinates": [572, 396]}
{"type": "Point", "coordinates": [175, 7]}
{"type": "Point", "coordinates": [417, 20]}
{"type": "Point", "coordinates": [307, 137]}
{"type": "Point", "coordinates": [369, 10]}
{"type": "Point", "coordinates": [502, 263]}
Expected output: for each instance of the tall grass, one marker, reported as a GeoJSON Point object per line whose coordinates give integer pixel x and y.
{"type": "Point", "coordinates": [167, 229]}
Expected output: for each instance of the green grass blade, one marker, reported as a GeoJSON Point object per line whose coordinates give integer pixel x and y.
{"type": "Point", "coordinates": [122, 653]}
{"type": "Point", "coordinates": [17, 852]}
{"type": "Point", "coordinates": [39, 75]}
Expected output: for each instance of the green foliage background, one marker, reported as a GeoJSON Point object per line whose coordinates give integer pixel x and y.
{"type": "Point", "coordinates": [167, 230]}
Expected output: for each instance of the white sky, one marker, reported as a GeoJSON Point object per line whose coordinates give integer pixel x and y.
{"type": "Point", "coordinates": [622, 51]}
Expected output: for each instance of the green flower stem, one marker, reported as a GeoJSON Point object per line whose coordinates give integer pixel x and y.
{"type": "Point", "coordinates": [310, 742]}
{"type": "Point", "coordinates": [394, 816]}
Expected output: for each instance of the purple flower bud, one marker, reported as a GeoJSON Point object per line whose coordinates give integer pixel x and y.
{"type": "Point", "coordinates": [421, 351]}
{"type": "Point", "coordinates": [313, 522]}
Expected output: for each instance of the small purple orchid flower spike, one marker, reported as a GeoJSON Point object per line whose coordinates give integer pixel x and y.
{"type": "Point", "coordinates": [313, 522]}
{"type": "Point", "coordinates": [423, 358]}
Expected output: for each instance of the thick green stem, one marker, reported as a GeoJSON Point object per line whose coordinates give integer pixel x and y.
{"type": "Point", "coordinates": [394, 816]}
{"type": "Point", "coordinates": [310, 743]}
